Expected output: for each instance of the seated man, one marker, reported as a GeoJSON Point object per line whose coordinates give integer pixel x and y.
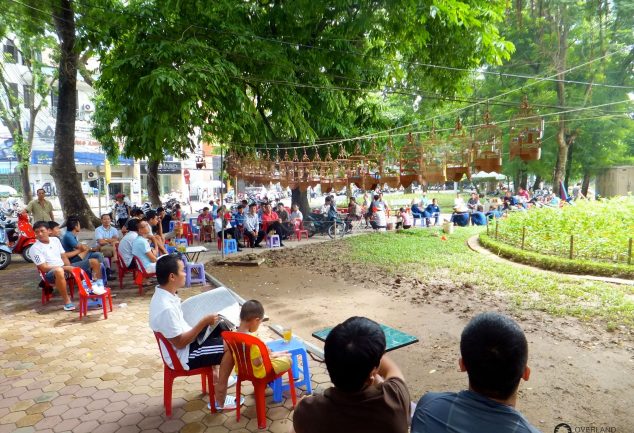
{"type": "Point", "coordinates": [272, 222]}
{"type": "Point", "coordinates": [369, 393]}
{"type": "Point", "coordinates": [417, 212]}
{"type": "Point", "coordinates": [432, 211]}
{"type": "Point", "coordinates": [125, 246]}
{"type": "Point", "coordinates": [166, 317]}
{"type": "Point", "coordinates": [478, 218]}
{"type": "Point", "coordinates": [107, 236]}
{"type": "Point", "coordinates": [473, 202]}
{"type": "Point", "coordinates": [142, 250]}
{"type": "Point", "coordinates": [252, 227]}
{"type": "Point", "coordinates": [223, 227]}
{"type": "Point", "coordinates": [76, 251]}
{"type": "Point", "coordinates": [239, 218]}
{"type": "Point", "coordinates": [155, 237]}
{"type": "Point", "coordinates": [510, 202]}
{"type": "Point", "coordinates": [494, 353]}
{"type": "Point", "coordinates": [205, 224]}
{"type": "Point", "coordinates": [50, 258]}
{"type": "Point", "coordinates": [459, 217]}
{"type": "Point", "coordinates": [165, 219]}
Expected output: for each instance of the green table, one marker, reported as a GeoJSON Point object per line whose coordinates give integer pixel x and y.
{"type": "Point", "coordinates": [394, 338]}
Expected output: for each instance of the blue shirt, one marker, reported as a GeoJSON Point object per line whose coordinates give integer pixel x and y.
{"type": "Point", "coordinates": [478, 218]}
{"type": "Point", "coordinates": [69, 241]}
{"type": "Point", "coordinates": [462, 219]}
{"type": "Point", "coordinates": [240, 218]}
{"type": "Point", "coordinates": [466, 412]}
{"type": "Point", "coordinates": [432, 208]}
{"type": "Point", "coordinates": [140, 246]}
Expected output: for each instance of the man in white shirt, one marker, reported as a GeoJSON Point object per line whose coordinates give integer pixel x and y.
{"type": "Point", "coordinates": [125, 246]}
{"type": "Point", "coordinates": [141, 248]}
{"type": "Point", "coordinates": [50, 258]}
{"type": "Point", "coordinates": [106, 237]}
{"type": "Point", "coordinates": [252, 227]}
{"type": "Point", "coordinates": [166, 317]}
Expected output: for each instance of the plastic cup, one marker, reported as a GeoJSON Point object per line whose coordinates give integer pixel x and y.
{"type": "Point", "coordinates": [287, 335]}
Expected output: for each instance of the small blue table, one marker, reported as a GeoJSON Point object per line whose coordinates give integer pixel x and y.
{"type": "Point", "coordinates": [394, 339]}
{"type": "Point", "coordinates": [297, 350]}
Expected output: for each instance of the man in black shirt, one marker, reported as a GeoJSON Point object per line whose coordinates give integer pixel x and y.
{"type": "Point", "coordinates": [165, 219]}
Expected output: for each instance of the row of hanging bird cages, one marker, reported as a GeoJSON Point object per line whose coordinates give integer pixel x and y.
{"type": "Point", "coordinates": [526, 133]}
{"type": "Point", "coordinates": [432, 160]}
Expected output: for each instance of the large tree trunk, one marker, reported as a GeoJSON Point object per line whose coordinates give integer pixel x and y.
{"type": "Point", "coordinates": [63, 168]}
{"type": "Point", "coordinates": [571, 146]}
{"type": "Point", "coordinates": [560, 60]}
{"type": "Point", "coordinates": [153, 182]}
{"type": "Point", "coordinates": [586, 183]}
{"type": "Point", "coordinates": [538, 180]}
{"type": "Point", "coordinates": [300, 198]}
{"type": "Point", "coordinates": [26, 183]}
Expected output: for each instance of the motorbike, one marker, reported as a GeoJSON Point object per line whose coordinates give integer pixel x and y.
{"type": "Point", "coordinates": [316, 223]}
{"type": "Point", "coordinates": [16, 240]}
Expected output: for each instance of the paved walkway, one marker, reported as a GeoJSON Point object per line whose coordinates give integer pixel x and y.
{"type": "Point", "coordinates": [60, 374]}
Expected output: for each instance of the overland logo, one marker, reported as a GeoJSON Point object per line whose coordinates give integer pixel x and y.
{"type": "Point", "coordinates": [566, 428]}
{"type": "Point", "coordinates": [563, 428]}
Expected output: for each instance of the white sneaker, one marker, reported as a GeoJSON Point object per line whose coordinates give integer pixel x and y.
{"type": "Point", "coordinates": [233, 379]}
{"type": "Point", "coordinates": [98, 288]}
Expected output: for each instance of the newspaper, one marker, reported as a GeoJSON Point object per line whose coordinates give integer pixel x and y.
{"type": "Point", "coordinates": [217, 301]}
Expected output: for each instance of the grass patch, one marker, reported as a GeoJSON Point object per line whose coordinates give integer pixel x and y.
{"type": "Point", "coordinates": [422, 253]}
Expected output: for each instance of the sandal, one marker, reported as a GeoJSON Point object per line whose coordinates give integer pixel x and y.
{"type": "Point", "coordinates": [230, 403]}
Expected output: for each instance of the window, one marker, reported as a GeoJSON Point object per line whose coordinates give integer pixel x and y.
{"type": "Point", "coordinates": [10, 52]}
{"type": "Point", "coordinates": [28, 95]}
{"type": "Point", "coordinates": [54, 98]}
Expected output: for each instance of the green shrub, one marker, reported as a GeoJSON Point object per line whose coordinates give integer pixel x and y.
{"type": "Point", "coordinates": [575, 266]}
{"type": "Point", "coordinates": [601, 230]}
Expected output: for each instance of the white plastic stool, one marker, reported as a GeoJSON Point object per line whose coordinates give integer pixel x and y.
{"type": "Point", "coordinates": [273, 241]}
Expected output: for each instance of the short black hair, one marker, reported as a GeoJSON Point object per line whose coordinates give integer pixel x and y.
{"type": "Point", "coordinates": [150, 214]}
{"type": "Point", "coordinates": [252, 309]}
{"type": "Point", "coordinates": [205, 208]}
{"type": "Point", "coordinates": [132, 225]}
{"type": "Point", "coordinates": [165, 266]}
{"type": "Point", "coordinates": [159, 209]}
{"type": "Point", "coordinates": [253, 205]}
{"type": "Point", "coordinates": [240, 206]}
{"type": "Point", "coordinates": [494, 351]}
{"type": "Point", "coordinates": [352, 350]}
{"type": "Point", "coordinates": [52, 225]}
{"type": "Point", "coordinates": [40, 224]}
{"type": "Point", "coordinates": [71, 223]}
{"type": "Point", "coordinates": [105, 214]}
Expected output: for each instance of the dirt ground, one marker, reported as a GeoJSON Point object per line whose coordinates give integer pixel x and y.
{"type": "Point", "coordinates": [580, 373]}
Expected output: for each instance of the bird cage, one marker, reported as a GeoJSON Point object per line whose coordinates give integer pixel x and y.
{"type": "Point", "coordinates": [358, 167]}
{"type": "Point", "coordinates": [275, 175]}
{"type": "Point", "coordinates": [526, 133]}
{"type": "Point", "coordinates": [327, 173]}
{"type": "Point", "coordinates": [302, 171]}
{"type": "Point", "coordinates": [232, 164]}
{"type": "Point", "coordinates": [411, 162]}
{"type": "Point", "coordinates": [487, 146]}
{"type": "Point", "coordinates": [458, 154]}
{"type": "Point", "coordinates": [340, 168]}
{"type": "Point", "coordinates": [388, 169]}
{"type": "Point", "coordinates": [434, 169]}
{"type": "Point", "coordinates": [248, 168]}
{"type": "Point", "coordinates": [372, 178]}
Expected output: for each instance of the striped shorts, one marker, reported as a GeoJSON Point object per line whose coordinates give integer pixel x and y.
{"type": "Point", "coordinates": [208, 353]}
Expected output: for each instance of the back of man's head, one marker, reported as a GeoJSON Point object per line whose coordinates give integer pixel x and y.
{"type": "Point", "coordinates": [132, 225]}
{"type": "Point", "coordinates": [494, 352]}
{"type": "Point", "coordinates": [352, 350]}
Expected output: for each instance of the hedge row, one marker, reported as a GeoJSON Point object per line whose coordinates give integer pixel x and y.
{"type": "Point", "coordinates": [553, 263]}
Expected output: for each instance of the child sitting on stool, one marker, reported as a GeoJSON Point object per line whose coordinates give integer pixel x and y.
{"type": "Point", "coordinates": [251, 315]}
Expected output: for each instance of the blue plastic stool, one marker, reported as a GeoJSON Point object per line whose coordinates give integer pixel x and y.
{"type": "Point", "coordinates": [231, 246]}
{"type": "Point", "coordinates": [273, 241]}
{"type": "Point", "coordinates": [297, 350]}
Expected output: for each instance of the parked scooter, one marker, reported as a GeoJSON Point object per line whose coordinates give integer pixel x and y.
{"type": "Point", "coordinates": [17, 240]}
{"type": "Point", "coordinates": [5, 251]}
